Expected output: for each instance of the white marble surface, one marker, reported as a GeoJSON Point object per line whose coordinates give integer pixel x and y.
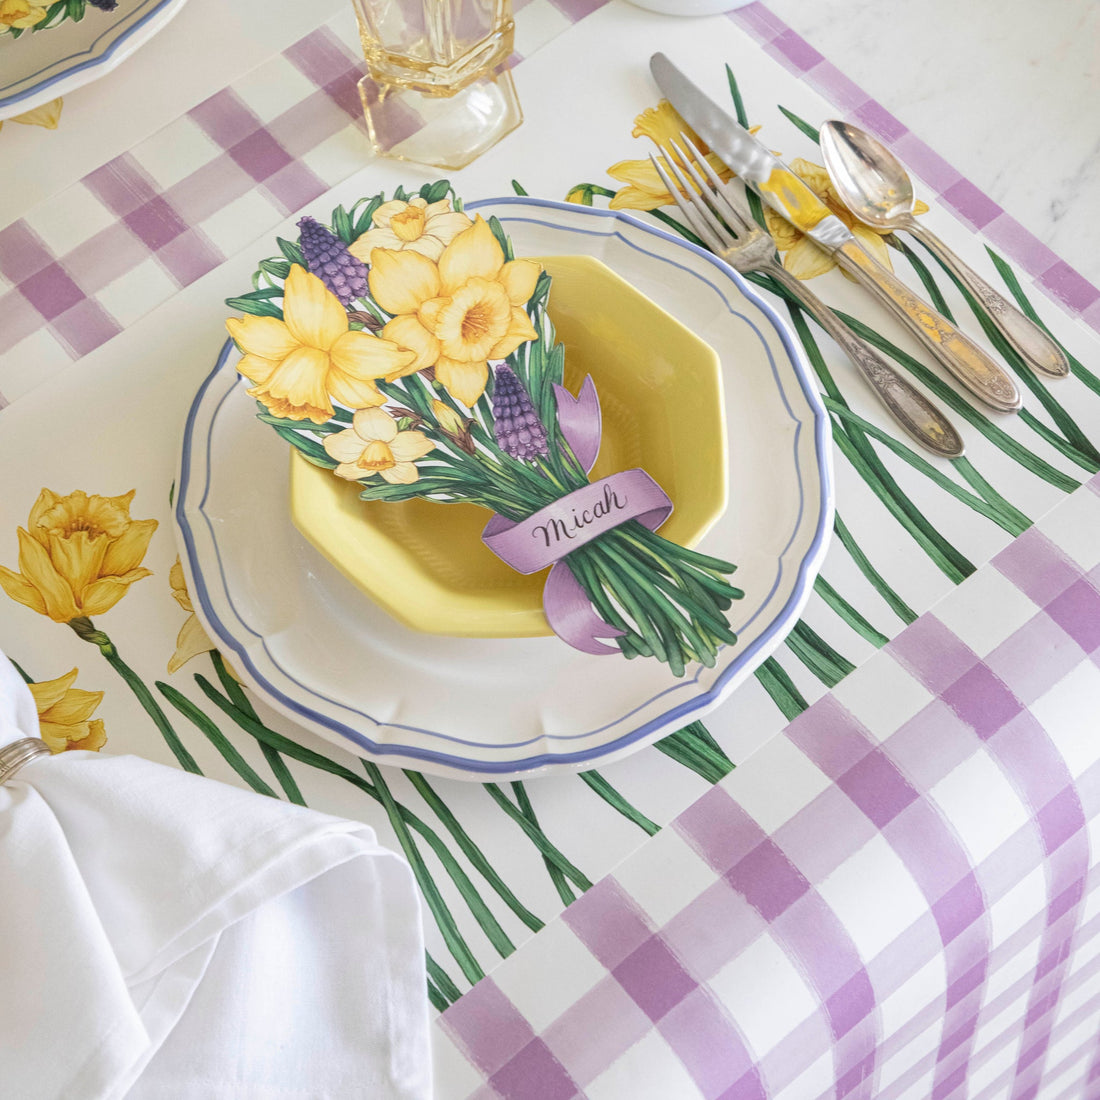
{"type": "Point", "coordinates": [1007, 91]}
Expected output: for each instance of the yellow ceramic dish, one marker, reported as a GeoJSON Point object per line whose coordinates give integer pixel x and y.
{"type": "Point", "coordinates": [660, 390]}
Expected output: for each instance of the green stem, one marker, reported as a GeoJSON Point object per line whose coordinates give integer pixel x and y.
{"type": "Point", "coordinates": [537, 837]}
{"type": "Point", "coordinates": [857, 449]}
{"type": "Point", "coordinates": [86, 631]}
{"type": "Point", "coordinates": [472, 852]}
{"type": "Point", "coordinates": [817, 655]}
{"type": "Point", "coordinates": [780, 687]}
{"type": "Point", "coordinates": [617, 802]}
{"type": "Point", "coordinates": [557, 877]}
{"type": "Point", "coordinates": [848, 613]}
{"type": "Point", "coordinates": [215, 736]}
{"type": "Point", "coordinates": [447, 988]}
{"type": "Point", "coordinates": [1009, 520]}
{"type": "Point", "coordinates": [18, 668]}
{"type": "Point", "coordinates": [878, 581]}
{"type": "Point", "coordinates": [277, 764]}
{"type": "Point", "coordinates": [443, 916]}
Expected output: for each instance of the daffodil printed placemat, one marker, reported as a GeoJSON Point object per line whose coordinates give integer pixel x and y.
{"type": "Point", "coordinates": [98, 617]}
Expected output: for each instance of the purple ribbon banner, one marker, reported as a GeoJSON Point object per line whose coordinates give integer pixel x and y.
{"type": "Point", "coordinates": [551, 533]}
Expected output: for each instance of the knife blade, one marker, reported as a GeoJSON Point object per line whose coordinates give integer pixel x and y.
{"type": "Point", "coordinates": [759, 168]}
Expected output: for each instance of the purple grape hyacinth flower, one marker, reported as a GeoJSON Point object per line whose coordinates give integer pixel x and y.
{"type": "Point", "coordinates": [516, 425]}
{"type": "Point", "coordinates": [104, 5]}
{"type": "Point", "coordinates": [329, 259]}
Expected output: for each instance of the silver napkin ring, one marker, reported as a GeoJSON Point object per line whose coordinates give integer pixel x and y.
{"type": "Point", "coordinates": [15, 755]}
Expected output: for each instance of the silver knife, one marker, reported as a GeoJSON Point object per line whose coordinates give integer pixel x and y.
{"type": "Point", "coordinates": [789, 197]}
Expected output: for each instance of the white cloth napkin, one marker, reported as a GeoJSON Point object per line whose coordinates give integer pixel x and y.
{"type": "Point", "coordinates": [166, 936]}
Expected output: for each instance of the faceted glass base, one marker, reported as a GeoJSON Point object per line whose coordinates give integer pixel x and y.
{"type": "Point", "coordinates": [440, 131]}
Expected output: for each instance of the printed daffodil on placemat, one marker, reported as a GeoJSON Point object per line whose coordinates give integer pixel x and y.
{"type": "Point", "coordinates": [47, 116]}
{"type": "Point", "coordinates": [79, 555]}
{"type": "Point", "coordinates": [405, 348]}
{"type": "Point", "coordinates": [65, 714]}
{"type": "Point", "coordinates": [801, 257]}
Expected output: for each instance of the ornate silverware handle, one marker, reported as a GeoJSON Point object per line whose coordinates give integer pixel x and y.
{"type": "Point", "coordinates": [958, 353]}
{"type": "Point", "coordinates": [1037, 348]}
{"type": "Point", "coordinates": [908, 406]}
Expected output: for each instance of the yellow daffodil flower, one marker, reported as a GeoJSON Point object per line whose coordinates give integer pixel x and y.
{"type": "Point", "coordinates": [644, 189]}
{"type": "Point", "coordinates": [79, 555]}
{"type": "Point", "coordinates": [301, 363]}
{"type": "Point", "coordinates": [457, 314]}
{"type": "Point", "coordinates": [415, 225]}
{"type": "Point", "coordinates": [47, 116]}
{"type": "Point", "coordinates": [65, 714]}
{"type": "Point", "coordinates": [20, 13]}
{"type": "Point", "coordinates": [373, 445]}
{"type": "Point", "coordinates": [192, 639]}
{"type": "Point", "coordinates": [801, 257]}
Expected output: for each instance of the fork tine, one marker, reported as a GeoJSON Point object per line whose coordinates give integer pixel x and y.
{"type": "Point", "coordinates": [718, 196]}
{"type": "Point", "coordinates": [701, 220]}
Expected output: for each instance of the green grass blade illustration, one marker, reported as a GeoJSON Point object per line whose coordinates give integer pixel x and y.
{"type": "Point", "coordinates": [775, 681]}
{"type": "Point", "coordinates": [215, 736]}
{"type": "Point", "coordinates": [436, 903]}
{"type": "Point", "coordinates": [878, 581]}
{"type": "Point", "coordinates": [471, 851]}
{"type": "Point", "coordinates": [858, 622]}
{"type": "Point", "coordinates": [817, 655]}
{"type": "Point", "coordinates": [618, 803]}
{"type": "Point", "coordinates": [274, 760]}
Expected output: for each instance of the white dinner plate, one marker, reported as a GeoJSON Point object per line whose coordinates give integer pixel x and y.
{"type": "Point", "coordinates": [318, 650]}
{"type": "Point", "coordinates": [41, 65]}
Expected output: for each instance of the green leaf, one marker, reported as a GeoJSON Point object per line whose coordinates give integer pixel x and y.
{"type": "Point", "coordinates": [502, 237]}
{"type": "Point", "coordinates": [365, 217]}
{"type": "Point", "coordinates": [435, 192]}
{"type": "Point", "coordinates": [215, 736]}
{"type": "Point", "coordinates": [341, 225]}
{"type": "Point", "coordinates": [401, 194]}
{"type": "Point", "coordinates": [878, 581]}
{"type": "Point", "coordinates": [775, 681]}
{"type": "Point", "coordinates": [256, 308]}
{"type": "Point", "coordinates": [735, 95]}
{"type": "Point", "coordinates": [618, 803]}
{"type": "Point", "coordinates": [275, 761]}
{"type": "Point", "coordinates": [291, 250]}
{"type": "Point", "coordinates": [277, 269]}
{"type": "Point", "coordinates": [519, 188]}
{"type": "Point", "coordinates": [75, 10]}
{"type": "Point", "coordinates": [811, 132]}
{"type": "Point", "coordinates": [470, 849]}
{"type": "Point", "coordinates": [848, 613]}
{"type": "Point", "coordinates": [309, 448]}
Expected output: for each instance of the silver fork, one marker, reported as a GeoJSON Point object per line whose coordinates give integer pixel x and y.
{"type": "Point", "coordinates": [750, 248]}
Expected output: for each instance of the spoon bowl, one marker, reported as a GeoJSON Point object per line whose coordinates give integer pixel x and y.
{"type": "Point", "coordinates": [870, 180]}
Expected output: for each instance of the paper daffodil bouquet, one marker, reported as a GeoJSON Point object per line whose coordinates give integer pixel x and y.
{"type": "Point", "coordinates": [405, 348]}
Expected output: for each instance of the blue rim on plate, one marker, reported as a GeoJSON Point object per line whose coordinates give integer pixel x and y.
{"type": "Point", "coordinates": [667, 720]}
{"type": "Point", "coordinates": [82, 60]}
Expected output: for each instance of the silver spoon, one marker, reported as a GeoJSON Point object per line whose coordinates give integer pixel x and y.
{"type": "Point", "coordinates": [874, 185]}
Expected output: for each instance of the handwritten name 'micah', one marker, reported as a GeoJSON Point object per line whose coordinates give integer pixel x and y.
{"type": "Point", "coordinates": [555, 529]}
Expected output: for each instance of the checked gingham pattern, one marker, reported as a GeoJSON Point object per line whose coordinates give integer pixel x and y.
{"type": "Point", "coordinates": [89, 262]}
{"type": "Point", "coordinates": [841, 917]}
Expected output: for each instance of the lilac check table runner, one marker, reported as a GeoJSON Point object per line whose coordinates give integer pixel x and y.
{"type": "Point", "coordinates": [896, 898]}
{"type": "Point", "coordinates": [872, 873]}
